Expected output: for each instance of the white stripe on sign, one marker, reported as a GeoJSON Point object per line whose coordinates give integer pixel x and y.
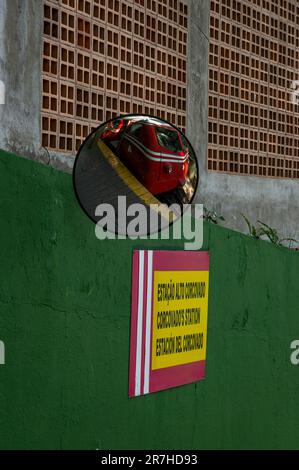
{"type": "Point", "coordinates": [139, 323]}
{"type": "Point", "coordinates": [148, 322]}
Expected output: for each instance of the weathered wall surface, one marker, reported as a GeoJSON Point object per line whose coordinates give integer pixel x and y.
{"type": "Point", "coordinates": [274, 201]}
{"type": "Point", "coordinates": [21, 25]}
{"type": "Point", "coordinates": [65, 322]}
{"type": "Point", "coordinates": [20, 70]}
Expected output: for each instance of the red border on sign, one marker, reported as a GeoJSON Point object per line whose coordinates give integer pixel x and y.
{"type": "Point", "coordinates": [181, 261]}
{"type": "Point", "coordinates": [177, 375]}
{"type": "Point", "coordinates": [142, 379]}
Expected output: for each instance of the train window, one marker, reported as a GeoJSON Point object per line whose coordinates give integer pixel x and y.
{"type": "Point", "coordinates": [135, 129]}
{"type": "Point", "coordinates": [184, 142]}
{"type": "Point", "coordinates": [169, 139]}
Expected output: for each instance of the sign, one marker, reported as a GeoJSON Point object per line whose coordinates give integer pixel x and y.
{"type": "Point", "coordinates": [168, 319]}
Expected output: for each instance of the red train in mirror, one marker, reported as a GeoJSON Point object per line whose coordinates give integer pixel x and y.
{"type": "Point", "coordinates": [152, 150]}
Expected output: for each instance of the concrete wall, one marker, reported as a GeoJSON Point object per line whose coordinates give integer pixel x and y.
{"type": "Point", "coordinates": [21, 27]}
{"type": "Point", "coordinates": [65, 323]}
{"type": "Point", "coordinates": [274, 201]}
{"type": "Point", "coordinates": [20, 66]}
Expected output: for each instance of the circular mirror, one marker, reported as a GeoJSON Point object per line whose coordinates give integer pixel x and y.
{"type": "Point", "coordinates": [131, 163]}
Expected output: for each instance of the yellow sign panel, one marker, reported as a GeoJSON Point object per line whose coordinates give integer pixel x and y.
{"type": "Point", "coordinates": [180, 311]}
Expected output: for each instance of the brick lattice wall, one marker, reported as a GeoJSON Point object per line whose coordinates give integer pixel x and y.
{"type": "Point", "coordinates": [254, 59]}
{"type": "Point", "coordinates": [103, 58]}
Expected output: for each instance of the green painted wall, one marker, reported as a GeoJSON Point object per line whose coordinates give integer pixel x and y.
{"type": "Point", "coordinates": [65, 319]}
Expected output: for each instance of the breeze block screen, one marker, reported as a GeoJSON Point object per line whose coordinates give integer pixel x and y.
{"type": "Point", "coordinates": [102, 58]}
{"type": "Point", "coordinates": [254, 66]}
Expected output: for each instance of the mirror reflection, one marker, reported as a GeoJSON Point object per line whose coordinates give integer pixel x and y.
{"type": "Point", "coordinates": [156, 153]}
{"type": "Point", "coordinates": [145, 159]}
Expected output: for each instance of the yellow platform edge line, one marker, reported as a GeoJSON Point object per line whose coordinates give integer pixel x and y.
{"type": "Point", "coordinates": [133, 183]}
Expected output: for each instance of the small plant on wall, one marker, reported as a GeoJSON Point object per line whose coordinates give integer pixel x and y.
{"type": "Point", "coordinates": [253, 230]}
{"type": "Point", "coordinates": [212, 216]}
{"type": "Point", "coordinates": [265, 231]}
